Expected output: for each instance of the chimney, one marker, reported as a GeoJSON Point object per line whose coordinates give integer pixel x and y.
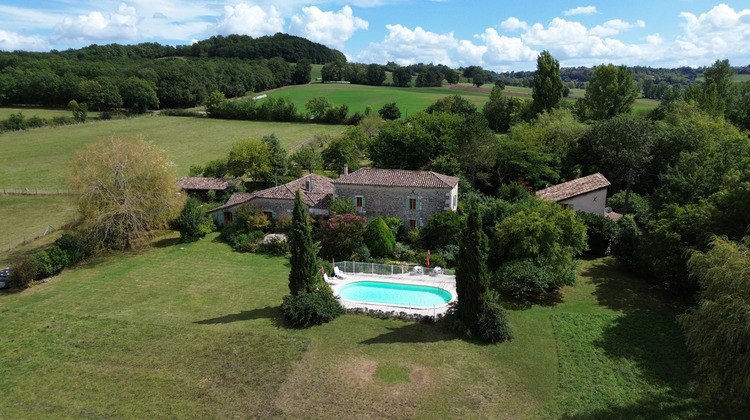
{"type": "Point", "coordinates": [309, 184]}
{"type": "Point", "coordinates": [346, 169]}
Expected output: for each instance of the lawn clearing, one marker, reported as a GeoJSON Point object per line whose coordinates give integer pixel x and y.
{"type": "Point", "coordinates": [194, 330]}
{"type": "Point", "coordinates": [25, 217]}
{"type": "Point", "coordinates": [41, 158]}
{"type": "Point", "coordinates": [359, 97]}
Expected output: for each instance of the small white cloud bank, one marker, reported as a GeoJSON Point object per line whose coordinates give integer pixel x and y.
{"type": "Point", "coordinates": [99, 27]}
{"type": "Point", "coordinates": [581, 10]}
{"type": "Point", "coordinates": [332, 29]}
{"type": "Point", "coordinates": [245, 19]}
{"type": "Point", "coordinates": [12, 41]}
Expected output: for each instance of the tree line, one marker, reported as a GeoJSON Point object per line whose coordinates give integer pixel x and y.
{"type": "Point", "coordinates": [147, 76]}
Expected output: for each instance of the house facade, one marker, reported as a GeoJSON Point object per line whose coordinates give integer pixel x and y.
{"type": "Point", "coordinates": [315, 191]}
{"type": "Point", "coordinates": [587, 194]}
{"type": "Point", "coordinates": [414, 196]}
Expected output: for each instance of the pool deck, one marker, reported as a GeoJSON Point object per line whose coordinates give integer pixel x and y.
{"type": "Point", "coordinates": [442, 281]}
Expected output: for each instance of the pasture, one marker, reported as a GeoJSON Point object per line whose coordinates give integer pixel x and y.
{"type": "Point", "coordinates": [44, 113]}
{"type": "Point", "coordinates": [359, 97]}
{"type": "Point", "coordinates": [195, 331]}
{"type": "Point", "coordinates": [41, 158]}
{"type": "Point", "coordinates": [25, 217]}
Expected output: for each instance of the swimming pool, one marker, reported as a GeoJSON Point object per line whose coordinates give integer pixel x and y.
{"type": "Point", "coordinates": [397, 294]}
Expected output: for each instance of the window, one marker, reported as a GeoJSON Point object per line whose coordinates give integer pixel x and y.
{"type": "Point", "coordinates": [412, 224]}
{"type": "Point", "coordinates": [228, 218]}
{"type": "Point", "coordinates": [268, 214]}
{"type": "Point", "coordinates": [359, 201]}
{"type": "Point", "coordinates": [412, 204]}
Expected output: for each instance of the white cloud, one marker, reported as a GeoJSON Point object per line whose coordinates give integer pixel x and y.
{"type": "Point", "coordinates": [250, 20]}
{"type": "Point", "coordinates": [504, 50]}
{"type": "Point", "coordinates": [513, 24]}
{"type": "Point", "coordinates": [329, 28]}
{"type": "Point", "coordinates": [405, 46]}
{"type": "Point", "coordinates": [581, 10]}
{"type": "Point", "coordinates": [98, 27]}
{"type": "Point", "coordinates": [614, 27]}
{"type": "Point", "coordinates": [11, 41]}
{"type": "Point", "coordinates": [719, 33]}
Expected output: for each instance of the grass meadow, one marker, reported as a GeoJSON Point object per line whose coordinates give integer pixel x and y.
{"type": "Point", "coordinates": [41, 158]}
{"type": "Point", "coordinates": [45, 113]}
{"type": "Point", "coordinates": [25, 217]}
{"type": "Point", "coordinates": [359, 97]}
{"type": "Point", "coordinates": [195, 331]}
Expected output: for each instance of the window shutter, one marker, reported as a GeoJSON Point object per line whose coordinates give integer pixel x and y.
{"type": "Point", "coordinates": [273, 215]}
{"type": "Point", "coordinates": [419, 204]}
{"type": "Point", "coordinates": [406, 203]}
{"type": "Point", "coordinates": [354, 201]}
{"type": "Point", "coordinates": [363, 201]}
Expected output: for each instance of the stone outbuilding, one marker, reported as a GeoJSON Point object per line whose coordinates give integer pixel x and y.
{"type": "Point", "coordinates": [414, 196]}
{"type": "Point", "coordinates": [315, 191]}
{"type": "Point", "coordinates": [587, 194]}
{"type": "Point", "coordinates": [202, 185]}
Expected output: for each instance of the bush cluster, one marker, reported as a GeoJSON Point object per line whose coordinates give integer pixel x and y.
{"type": "Point", "coordinates": [306, 309]}
{"type": "Point", "coordinates": [68, 250]}
{"type": "Point", "coordinates": [493, 324]}
{"type": "Point", "coordinates": [601, 232]}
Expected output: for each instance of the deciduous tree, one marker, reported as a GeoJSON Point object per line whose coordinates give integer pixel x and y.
{"type": "Point", "coordinates": [249, 158]}
{"type": "Point", "coordinates": [126, 189]}
{"type": "Point", "coordinates": [610, 91]}
{"type": "Point", "coordinates": [548, 85]}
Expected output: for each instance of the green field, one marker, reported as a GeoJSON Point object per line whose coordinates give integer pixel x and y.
{"type": "Point", "coordinates": [24, 217]}
{"type": "Point", "coordinates": [45, 113]}
{"type": "Point", "coordinates": [194, 331]}
{"type": "Point", "coordinates": [40, 158]}
{"type": "Point", "coordinates": [358, 97]}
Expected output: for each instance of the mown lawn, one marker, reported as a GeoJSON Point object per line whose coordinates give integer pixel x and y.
{"type": "Point", "coordinates": [24, 217]}
{"type": "Point", "coordinates": [41, 158]}
{"type": "Point", "coordinates": [194, 331]}
{"type": "Point", "coordinates": [359, 97]}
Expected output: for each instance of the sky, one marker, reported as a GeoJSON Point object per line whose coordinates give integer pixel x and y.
{"type": "Point", "coordinates": [498, 35]}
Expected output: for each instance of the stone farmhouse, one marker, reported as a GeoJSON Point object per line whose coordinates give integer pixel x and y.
{"type": "Point", "coordinates": [202, 185]}
{"type": "Point", "coordinates": [414, 196]}
{"type": "Point", "coordinates": [587, 195]}
{"type": "Point", "coordinates": [315, 191]}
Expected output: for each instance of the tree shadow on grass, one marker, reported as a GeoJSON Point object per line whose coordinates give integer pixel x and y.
{"type": "Point", "coordinates": [415, 332]}
{"type": "Point", "coordinates": [166, 242]}
{"type": "Point", "coordinates": [545, 299]}
{"type": "Point", "coordinates": [620, 291]}
{"type": "Point", "coordinates": [661, 407]}
{"type": "Point", "coordinates": [272, 313]}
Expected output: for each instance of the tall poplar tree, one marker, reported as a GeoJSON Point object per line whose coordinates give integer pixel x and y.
{"type": "Point", "coordinates": [548, 85]}
{"type": "Point", "coordinates": [471, 274]}
{"type": "Point", "coordinates": [302, 275]}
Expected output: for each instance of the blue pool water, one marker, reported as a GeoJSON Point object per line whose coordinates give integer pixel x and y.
{"type": "Point", "coordinates": [395, 294]}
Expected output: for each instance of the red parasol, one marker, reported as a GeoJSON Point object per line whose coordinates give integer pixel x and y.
{"type": "Point", "coordinates": [428, 257]}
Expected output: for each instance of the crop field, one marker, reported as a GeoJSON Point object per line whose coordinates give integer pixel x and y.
{"type": "Point", "coordinates": [195, 331]}
{"type": "Point", "coordinates": [41, 158]}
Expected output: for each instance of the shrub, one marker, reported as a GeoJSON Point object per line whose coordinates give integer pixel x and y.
{"type": "Point", "coordinates": [58, 258]}
{"type": "Point", "coordinates": [362, 253]}
{"type": "Point", "coordinates": [628, 242]}
{"type": "Point", "coordinates": [22, 273]}
{"type": "Point", "coordinates": [311, 308]}
{"type": "Point", "coordinates": [76, 249]}
{"type": "Point", "coordinates": [340, 235]}
{"type": "Point", "coordinates": [275, 244]}
{"type": "Point", "coordinates": [436, 260]}
{"type": "Point", "coordinates": [637, 206]}
{"type": "Point", "coordinates": [241, 240]}
{"type": "Point", "coordinates": [339, 206]}
{"type": "Point", "coordinates": [251, 216]}
{"type": "Point", "coordinates": [412, 236]}
{"type": "Point", "coordinates": [193, 223]}
{"type": "Point", "coordinates": [43, 264]}
{"type": "Point", "coordinates": [530, 277]}
{"type": "Point", "coordinates": [450, 254]}
{"type": "Point", "coordinates": [442, 229]}
{"type": "Point", "coordinates": [396, 224]}
{"type": "Point", "coordinates": [493, 324]}
{"type": "Point", "coordinates": [601, 232]}
{"type": "Point", "coordinates": [379, 237]}
{"type": "Point", "coordinates": [283, 225]}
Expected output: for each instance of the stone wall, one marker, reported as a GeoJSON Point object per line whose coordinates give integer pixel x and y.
{"type": "Point", "coordinates": [394, 201]}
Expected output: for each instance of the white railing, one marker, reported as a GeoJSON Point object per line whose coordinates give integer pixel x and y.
{"type": "Point", "coordinates": [356, 267]}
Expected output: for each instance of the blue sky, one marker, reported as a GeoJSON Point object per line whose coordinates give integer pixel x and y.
{"type": "Point", "coordinates": [498, 35]}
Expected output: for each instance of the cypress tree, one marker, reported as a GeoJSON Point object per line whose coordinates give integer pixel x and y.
{"type": "Point", "coordinates": [471, 271]}
{"type": "Point", "coordinates": [302, 275]}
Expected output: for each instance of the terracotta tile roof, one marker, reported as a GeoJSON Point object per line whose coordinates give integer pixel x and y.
{"type": "Point", "coordinates": [318, 197]}
{"type": "Point", "coordinates": [573, 188]}
{"type": "Point", "coordinates": [613, 215]}
{"type": "Point", "coordinates": [203, 183]}
{"type": "Point", "coordinates": [398, 178]}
